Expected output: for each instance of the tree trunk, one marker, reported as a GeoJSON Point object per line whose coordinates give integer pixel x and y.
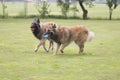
{"type": "Point", "coordinates": [110, 12]}
{"type": "Point", "coordinates": [85, 12]}
{"type": "Point", "coordinates": [25, 8]}
{"type": "Point", "coordinates": [3, 7]}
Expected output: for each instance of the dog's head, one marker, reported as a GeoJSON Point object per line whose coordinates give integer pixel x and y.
{"type": "Point", "coordinates": [51, 29]}
{"type": "Point", "coordinates": [50, 26]}
{"type": "Point", "coordinates": [52, 32]}
{"type": "Point", "coordinates": [35, 25]}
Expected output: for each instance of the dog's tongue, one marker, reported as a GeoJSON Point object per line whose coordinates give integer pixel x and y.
{"type": "Point", "coordinates": [45, 36]}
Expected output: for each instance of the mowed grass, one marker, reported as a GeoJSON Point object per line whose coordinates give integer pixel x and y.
{"type": "Point", "coordinates": [100, 60]}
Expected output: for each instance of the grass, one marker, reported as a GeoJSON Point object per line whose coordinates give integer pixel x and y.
{"type": "Point", "coordinates": [100, 60]}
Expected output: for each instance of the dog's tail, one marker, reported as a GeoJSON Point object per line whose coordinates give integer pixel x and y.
{"type": "Point", "coordinates": [90, 36]}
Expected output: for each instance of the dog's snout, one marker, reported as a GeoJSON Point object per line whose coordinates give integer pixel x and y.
{"type": "Point", "coordinates": [32, 29]}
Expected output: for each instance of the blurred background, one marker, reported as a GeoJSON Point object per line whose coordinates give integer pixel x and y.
{"type": "Point", "coordinates": [81, 9]}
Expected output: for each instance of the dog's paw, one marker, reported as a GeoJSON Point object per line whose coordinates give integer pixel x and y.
{"type": "Point", "coordinates": [54, 54]}
{"type": "Point", "coordinates": [35, 50]}
{"type": "Point", "coordinates": [62, 51]}
{"type": "Point", "coordinates": [47, 51]}
{"type": "Point", "coordinates": [52, 48]}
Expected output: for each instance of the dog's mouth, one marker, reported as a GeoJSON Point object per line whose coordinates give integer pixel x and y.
{"type": "Point", "coordinates": [32, 29]}
{"type": "Point", "coordinates": [48, 34]}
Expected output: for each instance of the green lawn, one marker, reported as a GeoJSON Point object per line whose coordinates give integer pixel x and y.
{"type": "Point", "coordinates": [100, 60]}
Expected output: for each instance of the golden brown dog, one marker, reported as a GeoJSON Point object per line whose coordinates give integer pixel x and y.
{"type": "Point", "coordinates": [64, 35]}
{"type": "Point", "coordinates": [38, 29]}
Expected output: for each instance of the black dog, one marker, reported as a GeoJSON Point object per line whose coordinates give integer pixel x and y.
{"type": "Point", "coordinates": [38, 31]}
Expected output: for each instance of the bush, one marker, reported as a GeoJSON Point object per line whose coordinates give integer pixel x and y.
{"type": "Point", "coordinates": [43, 9]}
{"type": "Point", "coordinates": [65, 6]}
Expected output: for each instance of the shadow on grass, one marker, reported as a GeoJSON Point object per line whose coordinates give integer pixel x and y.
{"type": "Point", "coordinates": [69, 55]}
{"type": "Point", "coordinates": [74, 54]}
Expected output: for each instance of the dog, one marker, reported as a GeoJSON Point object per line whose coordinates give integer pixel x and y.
{"type": "Point", "coordinates": [38, 29]}
{"type": "Point", "coordinates": [63, 35]}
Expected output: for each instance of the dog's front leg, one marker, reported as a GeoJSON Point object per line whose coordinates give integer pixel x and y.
{"type": "Point", "coordinates": [58, 46]}
{"type": "Point", "coordinates": [49, 45]}
{"type": "Point", "coordinates": [63, 46]}
{"type": "Point", "coordinates": [52, 44]}
{"type": "Point", "coordinates": [45, 47]}
{"type": "Point", "coordinates": [37, 46]}
{"type": "Point", "coordinates": [41, 42]}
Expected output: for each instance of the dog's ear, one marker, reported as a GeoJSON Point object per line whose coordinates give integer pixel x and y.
{"type": "Point", "coordinates": [54, 25]}
{"type": "Point", "coordinates": [38, 21]}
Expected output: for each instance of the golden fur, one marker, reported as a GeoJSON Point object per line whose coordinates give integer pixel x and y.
{"type": "Point", "coordinates": [63, 35]}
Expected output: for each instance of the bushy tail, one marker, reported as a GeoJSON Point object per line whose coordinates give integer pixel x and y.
{"type": "Point", "coordinates": [91, 35]}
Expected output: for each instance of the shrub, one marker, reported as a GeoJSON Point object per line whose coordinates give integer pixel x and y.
{"type": "Point", "coordinates": [42, 8]}
{"type": "Point", "coordinates": [65, 6]}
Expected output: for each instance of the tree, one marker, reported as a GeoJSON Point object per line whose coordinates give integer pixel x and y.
{"type": "Point", "coordinates": [74, 10]}
{"type": "Point", "coordinates": [85, 11]}
{"type": "Point", "coordinates": [112, 4]}
{"type": "Point", "coordinates": [25, 8]}
{"type": "Point", "coordinates": [43, 8]}
{"type": "Point", "coordinates": [3, 7]}
{"type": "Point", "coordinates": [65, 6]}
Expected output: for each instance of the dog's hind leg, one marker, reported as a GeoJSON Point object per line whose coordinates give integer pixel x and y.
{"type": "Point", "coordinates": [81, 46]}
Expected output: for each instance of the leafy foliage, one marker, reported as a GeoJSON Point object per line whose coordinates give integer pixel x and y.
{"type": "Point", "coordinates": [85, 11]}
{"type": "Point", "coordinates": [112, 4]}
{"type": "Point", "coordinates": [74, 10]}
{"type": "Point", "coordinates": [65, 6]}
{"type": "Point", "coordinates": [43, 9]}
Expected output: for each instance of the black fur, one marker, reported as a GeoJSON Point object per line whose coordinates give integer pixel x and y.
{"type": "Point", "coordinates": [54, 37]}
{"type": "Point", "coordinates": [36, 26]}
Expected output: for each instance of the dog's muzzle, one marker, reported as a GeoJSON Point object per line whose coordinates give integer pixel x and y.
{"type": "Point", "coordinates": [48, 34]}
{"type": "Point", "coordinates": [32, 29]}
